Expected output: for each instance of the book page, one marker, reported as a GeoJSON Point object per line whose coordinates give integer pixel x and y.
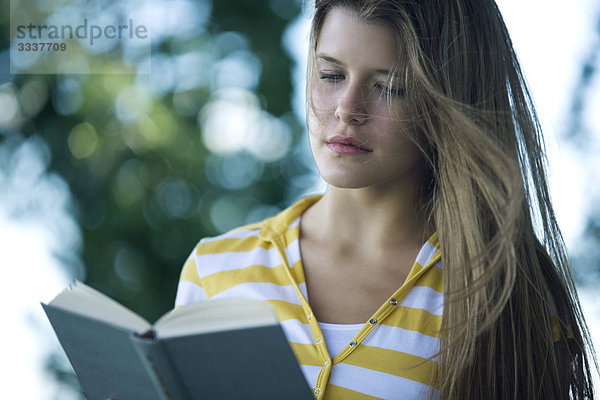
{"type": "Point", "coordinates": [82, 299]}
{"type": "Point", "coordinates": [214, 316]}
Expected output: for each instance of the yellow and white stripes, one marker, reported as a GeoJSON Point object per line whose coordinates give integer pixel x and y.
{"type": "Point", "coordinates": [391, 356]}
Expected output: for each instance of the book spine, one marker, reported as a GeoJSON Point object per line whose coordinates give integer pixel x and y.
{"type": "Point", "coordinates": [159, 367]}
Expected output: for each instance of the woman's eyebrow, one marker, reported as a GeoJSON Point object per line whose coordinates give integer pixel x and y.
{"type": "Point", "coordinates": [335, 61]}
{"type": "Point", "coordinates": [329, 59]}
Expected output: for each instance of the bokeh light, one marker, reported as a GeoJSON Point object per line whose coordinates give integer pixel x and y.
{"type": "Point", "coordinates": [233, 121]}
{"type": "Point", "coordinates": [9, 105]}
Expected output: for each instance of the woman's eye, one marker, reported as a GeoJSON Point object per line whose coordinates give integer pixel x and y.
{"type": "Point", "coordinates": [390, 91]}
{"type": "Point", "coordinates": [326, 76]}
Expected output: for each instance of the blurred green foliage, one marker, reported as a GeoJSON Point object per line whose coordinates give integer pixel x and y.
{"type": "Point", "coordinates": [145, 181]}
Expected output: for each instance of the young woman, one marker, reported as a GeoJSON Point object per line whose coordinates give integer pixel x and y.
{"type": "Point", "coordinates": [419, 272]}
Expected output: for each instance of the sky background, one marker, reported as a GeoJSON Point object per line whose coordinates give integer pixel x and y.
{"type": "Point", "coordinates": [551, 40]}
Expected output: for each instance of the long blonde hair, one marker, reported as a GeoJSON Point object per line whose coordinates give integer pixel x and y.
{"type": "Point", "coordinates": [512, 326]}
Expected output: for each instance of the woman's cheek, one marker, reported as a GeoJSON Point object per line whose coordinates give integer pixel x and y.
{"type": "Point", "coordinates": [322, 99]}
{"type": "Point", "coordinates": [313, 123]}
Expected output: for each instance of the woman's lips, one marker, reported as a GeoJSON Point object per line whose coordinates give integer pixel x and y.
{"type": "Point", "coordinates": [347, 145]}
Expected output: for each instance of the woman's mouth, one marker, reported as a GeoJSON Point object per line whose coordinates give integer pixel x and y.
{"type": "Point", "coordinates": [347, 145]}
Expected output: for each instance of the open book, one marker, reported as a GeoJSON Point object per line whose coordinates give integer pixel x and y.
{"type": "Point", "coordinates": [222, 349]}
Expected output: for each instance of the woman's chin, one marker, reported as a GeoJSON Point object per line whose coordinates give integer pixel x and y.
{"type": "Point", "coordinates": [347, 181]}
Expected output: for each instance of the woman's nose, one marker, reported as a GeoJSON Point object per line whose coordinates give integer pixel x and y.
{"type": "Point", "coordinates": [351, 107]}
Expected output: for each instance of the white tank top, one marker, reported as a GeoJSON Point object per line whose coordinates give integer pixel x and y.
{"type": "Point", "coordinates": [337, 336]}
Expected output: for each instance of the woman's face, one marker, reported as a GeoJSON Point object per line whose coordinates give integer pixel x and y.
{"type": "Point", "coordinates": [356, 138]}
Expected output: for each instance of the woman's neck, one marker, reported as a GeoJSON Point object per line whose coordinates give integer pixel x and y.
{"type": "Point", "coordinates": [369, 218]}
